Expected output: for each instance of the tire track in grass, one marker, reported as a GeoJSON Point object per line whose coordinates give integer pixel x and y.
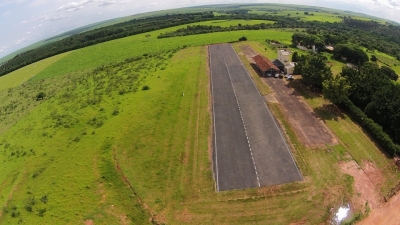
{"type": "Point", "coordinates": [144, 206]}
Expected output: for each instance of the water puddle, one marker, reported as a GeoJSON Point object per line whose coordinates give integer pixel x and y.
{"type": "Point", "coordinates": [341, 214]}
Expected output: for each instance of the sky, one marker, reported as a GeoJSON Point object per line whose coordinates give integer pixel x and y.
{"type": "Point", "coordinates": [24, 22]}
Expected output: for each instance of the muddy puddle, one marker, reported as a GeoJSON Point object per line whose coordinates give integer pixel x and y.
{"type": "Point", "coordinates": [341, 214]}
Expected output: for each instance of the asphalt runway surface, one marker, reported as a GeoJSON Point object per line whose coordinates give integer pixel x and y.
{"type": "Point", "coordinates": [249, 149]}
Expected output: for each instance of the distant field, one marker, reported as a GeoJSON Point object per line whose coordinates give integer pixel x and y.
{"type": "Point", "coordinates": [313, 14]}
{"type": "Point", "coordinates": [140, 44]}
{"type": "Point", "coordinates": [385, 60]}
{"type": "Point", "coordinates": [228, 23]}
{"type": "Point", "coordinates": [24, 74]}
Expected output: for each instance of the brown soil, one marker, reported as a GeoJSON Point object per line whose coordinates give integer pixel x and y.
{"type": "Point", "coordinates": [388, 214]}
{"type": "Point", "coordinates": [366, 184]}
{"type": "Point", "coordinates": [89, 222]}
{"type": "Point", "coordinates": [311, 131]}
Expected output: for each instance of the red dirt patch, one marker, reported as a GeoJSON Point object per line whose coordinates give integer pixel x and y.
{"type": "Point", "coordinates": [366, 180]}
{"type": "Point", "coordinates": [388, 214]}
{"type": "Point", "coordinates": [89, 222]}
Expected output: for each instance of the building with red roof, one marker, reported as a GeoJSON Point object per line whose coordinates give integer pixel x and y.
{"type": "Point", "coordinates": [265, 66]}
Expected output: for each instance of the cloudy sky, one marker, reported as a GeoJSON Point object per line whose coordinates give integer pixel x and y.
{"type": "Point", "coordinates": [23, 22]}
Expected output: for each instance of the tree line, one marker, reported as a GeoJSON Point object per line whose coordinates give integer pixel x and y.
{"type": "Point", "coordinates": [368, 93]}
{"type": "Point", "coordinates": [92, 37]}
{"type": "Point", "coordinates": [368, 34]}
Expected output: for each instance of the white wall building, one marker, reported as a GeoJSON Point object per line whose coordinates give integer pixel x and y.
{"type": "Point", "coordinates": [284, 58]}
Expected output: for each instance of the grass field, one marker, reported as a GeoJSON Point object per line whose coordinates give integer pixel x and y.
{"type": "Point", "coordinates": [24, 74]}
{"type": "Point", "coordinates": [140, 44]}
{"type": "Point", "coordinates": [228, 23]}
{"type": "Point", "coordinates": [124, 136]}
{"type": "Point", "coordinates": [317, 16]}
{"type": "Point", "coordinates": [58, 161]}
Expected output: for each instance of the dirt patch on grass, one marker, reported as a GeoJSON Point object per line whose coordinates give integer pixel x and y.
{"type": "Point", "coordinates": [249, 53]}
{"type": "Point", "coordinates": [366, 182]}
{"type": "Point", "coordinates": [312, 132]}
{"type": "Point", "coordinates": [89, 222]}
{"type": "Point", "coordinates": [387, 214]}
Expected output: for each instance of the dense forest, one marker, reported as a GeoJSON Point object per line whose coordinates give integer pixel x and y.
{"type": "Point", "coordinates": [369, 34]}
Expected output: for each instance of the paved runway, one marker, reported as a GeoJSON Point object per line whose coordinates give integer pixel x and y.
{"type": "Point", "coordinates": [249, 149]}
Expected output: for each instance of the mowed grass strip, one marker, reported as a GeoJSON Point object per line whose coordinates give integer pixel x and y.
{"type": "Point", "coordinates": [22, 75]}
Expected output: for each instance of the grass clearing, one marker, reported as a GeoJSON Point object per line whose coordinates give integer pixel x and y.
{"type": "Point", "coordinates": [62, 151]}
{"type": "Point", "coordinates": [22, 75]}
{"type": "Point", "coordinates": [228, 23]}
{"type": "Point", "coordinates": [139, 45]}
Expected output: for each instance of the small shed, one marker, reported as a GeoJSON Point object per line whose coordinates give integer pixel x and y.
{"type": "Point", "coordinates": [279, 64]}
{"type": "Point", "coordinates": [265, 66]}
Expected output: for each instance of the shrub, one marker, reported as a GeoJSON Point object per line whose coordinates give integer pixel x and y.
{"type": "Point", "coordinates": [244, 38]}
{"type": "Point", "coordinates": [42, 212]}
{"type": "Point", "coordinates": [40, 96]}
{"type": "Point", "coordinates": [44, 199]}
{"type": "Point", "coordinates": [145, 88]}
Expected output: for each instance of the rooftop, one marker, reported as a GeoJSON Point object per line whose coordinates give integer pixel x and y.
{"type": "Point", "coordinates": [264, 63]}
{"type": "Point", "coordinates": [284, 52]}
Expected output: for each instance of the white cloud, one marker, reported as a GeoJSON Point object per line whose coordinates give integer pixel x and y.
{"type": "Point", "coordinates": [124, 2]}
{"type": "Point", "coordinates": [3, 48]}
{"type": "Point", "coordinates": [107, 2]}
{"type": "Point", "coordinates": [73, 6]}
{"type": "Point", "coordinates": [24, 21]}
{"type": "Point", "coordinates": [17, 42]}
{"type": "Point", "coordinates": [5, 14]}
{"type": "Point", "coordinates": [55, 18]}
{"type": "Point", "coordinates": [44, 18]}
{"type": "Point", "coordinates": [28, 32]}
{"type": "Point", "coordinates": [157, 3]}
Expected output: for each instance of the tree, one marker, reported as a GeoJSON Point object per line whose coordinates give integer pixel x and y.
{"type": "Point", "coordinates": [353, 54]}
{"type": "Point", "coordinates": [315, 71]}
{"type": "Point", "coordinates": [391, 74]}
{"type": "Point", "coordinates": [244, 38]}
{"type": "Point", "coordinates": [364, 83]}
{"type": "Point", "coordinates": [295, 57]}
{"type": "Point", "coordinates": [373, 58]}
{"type": "Point", "coordinates": [336, 89]}
{"type": "Point", "coordinates": [40, 96]}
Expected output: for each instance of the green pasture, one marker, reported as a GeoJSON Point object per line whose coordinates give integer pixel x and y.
{"type": "Point", "coordinates": [228, 23]}
{"type": "Point", "coordinates": [22, 75]}
{"type": "Point", "coordinates": [385, 60]}
{"type": "Point", "coordinates": [58, 161]}
{"type": "Point", "coordinates": [138, 45]}
{"type": "Point", "coordinates": [318, 16]}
